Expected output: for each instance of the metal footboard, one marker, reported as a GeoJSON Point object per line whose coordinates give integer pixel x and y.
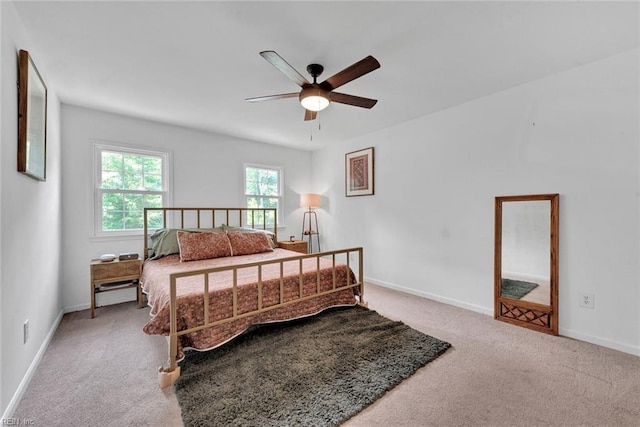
{"type": "Point", "coordinates": [174, 333]}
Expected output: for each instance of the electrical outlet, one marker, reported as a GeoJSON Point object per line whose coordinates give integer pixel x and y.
{"type": "Point", "coordinates": [25, 331]}
{"type": "Point", "coordinates": [586, 300]}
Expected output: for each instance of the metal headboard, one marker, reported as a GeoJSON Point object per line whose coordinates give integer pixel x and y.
{"type": "Point", "coordinates": [190, 217]}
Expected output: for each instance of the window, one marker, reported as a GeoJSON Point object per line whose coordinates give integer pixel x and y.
{"type": "Point", "coordinates": [128, 180]}
{"type": "Point", "coordinates": [263, 189]}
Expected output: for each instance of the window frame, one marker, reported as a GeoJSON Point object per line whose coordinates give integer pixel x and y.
{"type": "Point", "coordinates": [280, 196]}
{"type": "Point", "coordinates": [98, 149]}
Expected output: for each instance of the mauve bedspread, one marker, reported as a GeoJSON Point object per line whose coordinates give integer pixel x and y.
{"type": "Point", "coordinates": [190, 290]}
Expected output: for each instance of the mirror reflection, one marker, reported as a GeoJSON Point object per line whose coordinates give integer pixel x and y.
{"type": "Point", "coordinates": [526, 230]}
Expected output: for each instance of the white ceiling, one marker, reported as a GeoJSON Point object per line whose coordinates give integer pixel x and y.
{"type": "Point", "coordinates": [194, 63]}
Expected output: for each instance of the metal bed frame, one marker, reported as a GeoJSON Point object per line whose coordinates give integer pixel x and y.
{"type": "Point", "coordinates": [176, 215]}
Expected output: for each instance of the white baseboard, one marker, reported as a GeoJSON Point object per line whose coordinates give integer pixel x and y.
{"type": "Point", "coordinates": [428, 295]}
{"type": "Point", "coordinates": [78, 307]}
{"type": "Point", "coordinates": [22, 387]}
{"type": "Point", "coordinates": [625, 348]}
{"type": "Point", "coordinates": [106, 298]}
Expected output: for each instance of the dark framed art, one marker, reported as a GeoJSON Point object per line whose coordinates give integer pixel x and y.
{"type": "Point", "coordinates": [359, 172]}
{"type": "Point", "coordinates": [32, 119]}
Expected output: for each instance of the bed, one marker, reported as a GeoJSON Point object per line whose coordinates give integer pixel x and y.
{"type": "Point", "coordinates": [228, 274]}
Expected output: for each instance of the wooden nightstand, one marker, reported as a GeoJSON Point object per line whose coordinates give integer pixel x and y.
{"type": "Point", "coordinates": [115, 275]}
{"type": "Point", "coordinates": [296, 245]}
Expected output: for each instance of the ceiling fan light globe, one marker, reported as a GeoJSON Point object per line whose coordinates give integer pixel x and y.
{"type": "Point", "coordinates": [315, 103]}
{"type": "Point", "coordinates": [314, 99]}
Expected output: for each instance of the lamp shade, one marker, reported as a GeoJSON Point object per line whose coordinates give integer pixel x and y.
{"type": "Point", "coordinates": [309, 200]}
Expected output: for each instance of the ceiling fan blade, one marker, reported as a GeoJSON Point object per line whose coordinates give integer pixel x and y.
{"type": "Point", "coordinates": [352, 72]}
{"type": "Point", "coordinates": [282, 65]}
{"type": "Point", "coordinates": [272, 97]}
{"type": "Point", "coordinates": [310, 115]}
{"type": "Point", "coordinates": [356, 101]}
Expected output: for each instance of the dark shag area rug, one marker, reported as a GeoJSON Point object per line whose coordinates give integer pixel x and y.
{"type": "Point", "coordinates": [316, 371]}
{"type": "Point", "coordinates": [516, 288]}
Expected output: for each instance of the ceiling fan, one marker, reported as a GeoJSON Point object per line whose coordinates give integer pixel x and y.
{"type": "Point", "coordinates": [317, 96]}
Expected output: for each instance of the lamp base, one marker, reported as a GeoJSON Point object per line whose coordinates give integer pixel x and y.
{"type": "Point", "coordinates": [309, 231]}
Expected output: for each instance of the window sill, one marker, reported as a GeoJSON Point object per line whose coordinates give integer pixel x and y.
{"type": "Point", "coordinates": [116, 237]}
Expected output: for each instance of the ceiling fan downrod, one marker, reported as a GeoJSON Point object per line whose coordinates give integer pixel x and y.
{"type": "Point", "coordinates": [314, 71]}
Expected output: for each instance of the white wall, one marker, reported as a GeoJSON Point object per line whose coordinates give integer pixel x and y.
{"type": "Point", "coordinates": [2, 406]}
{"type": "Point", "coordinates": [429, 227]}
{"type": "Point", "coordinates": [29, 226]}
{"type": "Point", "coordinates": [207, 171]}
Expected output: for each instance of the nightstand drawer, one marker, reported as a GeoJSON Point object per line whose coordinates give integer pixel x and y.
{"type": "Point", "coordinates": [297, 245]}
{"type": "Point", "coordinates": [114, 271]}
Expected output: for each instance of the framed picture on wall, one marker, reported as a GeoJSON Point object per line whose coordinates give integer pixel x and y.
{"type": "Point", "coordinates": [32, 119]}
{"type": "Point", "coordinates": [359, 173]}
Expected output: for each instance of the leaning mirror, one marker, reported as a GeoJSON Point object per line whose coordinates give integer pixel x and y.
{"type": "Point", "coordinates": [526, 261]}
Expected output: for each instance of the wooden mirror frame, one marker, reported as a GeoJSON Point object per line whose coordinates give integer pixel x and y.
{"type": "Point", "coordinates": [540, 317]}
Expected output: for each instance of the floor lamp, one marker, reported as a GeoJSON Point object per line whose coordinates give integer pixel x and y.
{"type": "Point", "coordinates": [310, 201]}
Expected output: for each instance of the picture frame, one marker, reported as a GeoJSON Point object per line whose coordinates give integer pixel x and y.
{"type": "Point", "coordinates": [32, 119]}
{"type": "Point", "coordinates": [359, 173]}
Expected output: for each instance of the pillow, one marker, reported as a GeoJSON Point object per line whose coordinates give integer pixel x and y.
{"type": "Point", "coordinates": [195, 246]}
{"type": "Point", "coordinates": [270, 234]}
{"type": "Point", "coordinates": [246, 243]}
{"type": "Point", "coordinates": [164, 241]}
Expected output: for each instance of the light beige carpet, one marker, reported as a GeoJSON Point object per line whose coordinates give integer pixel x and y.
{"type": "Point", "coordinates": [102, 371]}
